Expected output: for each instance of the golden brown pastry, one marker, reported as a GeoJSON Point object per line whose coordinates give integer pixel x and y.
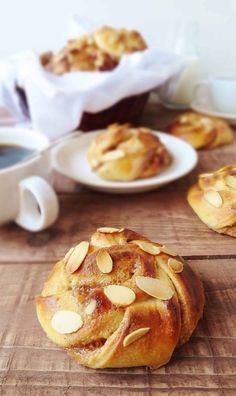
{"type": "Point", "coordinates": [118, 42]}
{"type": "Point", "coordinates": [100, 51]}
{"type": "Point", "coordinates": [120, 300]}
{"type": "Point", "coordinates": [46, 58]}
{"type": "Point", "coordinates": [80, 54]}
{"type": "Point", "coordinates": [201, 131]}
{"type": "Point", "coordinates": [123, 153]}
{"type": "Point", "coordinates": [213, 199]}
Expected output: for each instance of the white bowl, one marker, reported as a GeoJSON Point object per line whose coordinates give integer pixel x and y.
{"type": "Point", "coordinates": [70, 159]}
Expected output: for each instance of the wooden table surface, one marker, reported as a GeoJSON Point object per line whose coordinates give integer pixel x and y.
{"type": "Point", "coordinates": [32, 365]}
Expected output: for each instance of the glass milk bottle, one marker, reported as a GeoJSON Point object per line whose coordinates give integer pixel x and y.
{"type": "Point", "coordinates": [186, 47]}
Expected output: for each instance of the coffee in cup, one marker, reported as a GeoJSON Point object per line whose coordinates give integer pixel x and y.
{"type": "Point", "coordinates": [26, 195]}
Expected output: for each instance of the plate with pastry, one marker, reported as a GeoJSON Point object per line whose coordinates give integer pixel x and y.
{"type": "Point", "coordinates": [123, 159]}
{"type": "Point", "coordinates": [213, 199]}
{"type": "Point", "coordinates": [120, 300]}
{"type": "Point", "coordinates": [201, 131]}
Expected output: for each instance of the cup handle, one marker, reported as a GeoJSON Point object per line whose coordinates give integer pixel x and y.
{"type": "Point", "coordinates": [39, 206]}
{"type": "Point", "coordinates": [201, 92]}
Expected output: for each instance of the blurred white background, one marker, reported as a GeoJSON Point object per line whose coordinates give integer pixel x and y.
{"type": "Point", "coordinates": [42, 25]}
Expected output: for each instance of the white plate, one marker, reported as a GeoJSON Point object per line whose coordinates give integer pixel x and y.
{"type": "Point", "coordinates": [203, 105]}
{"type": "Point", "coordinates": [70, 159]}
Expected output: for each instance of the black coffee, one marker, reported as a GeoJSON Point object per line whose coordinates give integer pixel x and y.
{"type": "Point", "coordinates": [11, 154]}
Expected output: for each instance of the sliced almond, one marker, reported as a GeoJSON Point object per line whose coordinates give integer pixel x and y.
{"type": "Point", "coordinates": [104, 261]}
{"type": "Point", "coordinates": [175, 265]}
{"type": "Point", "coordinates": [147, 247]}
{"type": "Point", "coordinates": [183, 119]}
{"type": "Point", "coordinates": [109, 230]}
{"type": "Point", "coordinates": [154, 287]}
{"type": "Point", "coordinates": [225, 168]}
{"type": "Point", "coordinates": [68, 254]}
{"type": "Point", "coordinates": [101, 241]}
{"type": "Point", "coordinates": [168, 251]}
{"type": "Point", "coordinates": [135, 335]}
{"type": "Point", "coordinates": [231, 181]}
{"type": "Point", "coordinates": [119, 295]}
{"type": "Point", "coordinates": [213, 198]}
{"type": "Point", "coordinates": [113, 155]}
{"type": "Point", "coordinates": [203, 175]}
{"type": "Point", "coordinates": [66, 322]}
{"type": "Point", "coordinates": [90, 307]}
{"type": "Point", "coordinates": [207, 123]}
{"type": "Point", "coordinates": [94, 163]}
{"type": "Point", "coordinates": [77, 257]}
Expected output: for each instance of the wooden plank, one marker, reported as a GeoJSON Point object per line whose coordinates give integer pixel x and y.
{"type": "Point", "coordinates": [163, 217]}
{"type": "Point", "coordinates": [29, 361]}
{"type": "Point", "coordinates": [162, 214]}
{"type": "Point", "coordinates": [31, 365]}
{"type": "Point", "coordinates": [28, 390]}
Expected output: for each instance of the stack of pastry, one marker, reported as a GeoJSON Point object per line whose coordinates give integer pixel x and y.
{"type": "Point", "coordinates": [213, 199]}
{"type": "Point", "coordinates": [123, 153]}
{"type": "Point", "coordinates": [201, 131]}
{"type": "Point", "coordinates": [120, 300]}
{"type": "Point", "coordinates": [100, 51]}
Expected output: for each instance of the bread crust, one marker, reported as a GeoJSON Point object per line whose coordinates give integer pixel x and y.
{"type": "Point", "coordinates": [118, 42]}
{"type": "Point", "coordinates": [99, 343]}
{"type": "Point", "coordinates": [124, 153]}
{"type": "Point", "coordinates": [98, 51]}
{"type": "Point", "coordinates": [221, 219]}
{"type": "Point", "coordinates": [201, 131]}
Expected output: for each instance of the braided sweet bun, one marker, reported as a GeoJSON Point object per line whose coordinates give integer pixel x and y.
{"type": "Point", "coordinates": [120, 300]}
{"type": "Point", "coordinates": [124, 153]}
{"type": "Point", "coordinates": [201, 131]}
{"type": "Point", "coordinates": [80, 54]}
{"type": "Point", "coordinates": [213, 199]}
{"type": "Point", "coordinates": [98, 51]}
{"type": "Point", "coordinates": [118, 42]}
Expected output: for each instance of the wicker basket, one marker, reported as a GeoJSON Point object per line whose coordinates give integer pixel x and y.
{"type": "Point", "coordinates": [126, 110]}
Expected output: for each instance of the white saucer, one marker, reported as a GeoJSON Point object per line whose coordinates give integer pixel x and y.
{"type": "Point", "coordinates": [69, 158]}
{"type": "Point", "coordinates": [204, 105]}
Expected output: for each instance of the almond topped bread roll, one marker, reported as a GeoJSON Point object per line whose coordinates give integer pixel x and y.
{"type": "Point", "coordinates": [123, 153]}
{"type": "Point", "coordinates": [213, 199]}
{"type": "Point", "coordinates": [120, 300]}
{"type": "Point", "coordinates": [98, 51]}
{"type": "Point", "coordinates": [201, 131]}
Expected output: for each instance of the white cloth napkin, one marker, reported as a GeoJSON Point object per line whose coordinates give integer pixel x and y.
{"type": "Point", "coordinates": [56, 103]}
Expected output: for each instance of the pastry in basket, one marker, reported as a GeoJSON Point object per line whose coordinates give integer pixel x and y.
{"type": "Point", "coordinates": [80, 54]}
{"type": "Point", "coordinates": [213, 199]}
{"type": "Point", "coordinates": [124, 153]}
{"type": "Point", "coordinates": [118, 42]}
{"type": "Point", "coordinates": [201, 131]}
{"type": "Point", "coordinates": [98, 51]}
{"type": "Point", "coordinates": [120, 300]}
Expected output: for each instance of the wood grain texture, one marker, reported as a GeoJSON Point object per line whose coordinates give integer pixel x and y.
{"type": "Point", "coordinates": [31, 365]}
{"type": "Point", "coordinates": [163, 215]}
{"type": "Point", "coordinates": [29, 361]}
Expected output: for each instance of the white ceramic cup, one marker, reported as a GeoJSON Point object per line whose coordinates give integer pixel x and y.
{"type": "Point", "coordinates": [222, 92]}
{"type": "Point", "coordinates": [26, 195]}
